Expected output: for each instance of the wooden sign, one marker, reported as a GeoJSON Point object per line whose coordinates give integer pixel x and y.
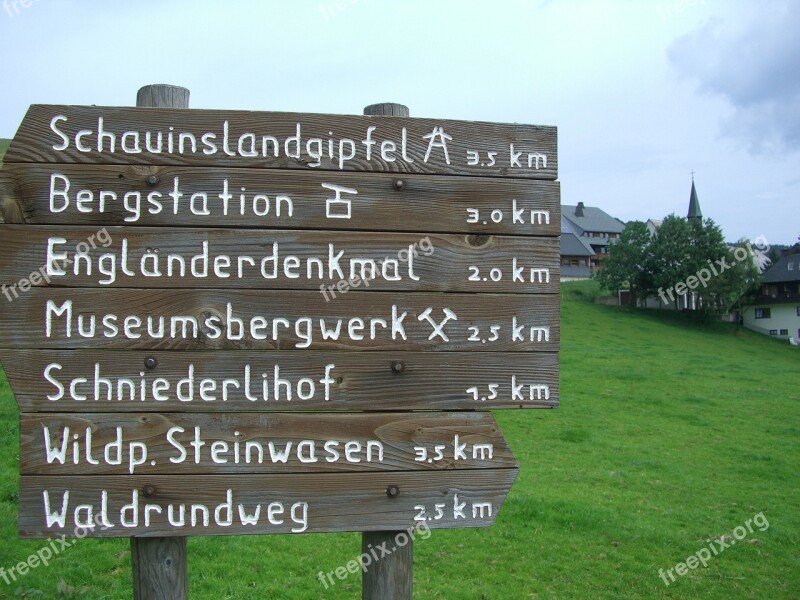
{"type": "Point", "coordinates": [166, 257]}
{"type": "Point", "coordinates": [244, 381]}
{"type": "Point", "coordinates": [225, 322]}
{"type": "Point", "coordinates": [278, 320]}
{"type": "Point", "coordinates": [168, 505]}
{"type": "Point", "coordinates": [249, 443]}
{"type": "Point", "coordinates": [134, 195]}
{"type": "Point", "coordinates": [94, 135]}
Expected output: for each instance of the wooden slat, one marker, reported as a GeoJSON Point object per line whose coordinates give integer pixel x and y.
{"type": "Point", "coordinates": [440, 322]}
{"type": "Point", "coordinates": [247, 443]}
{"type": "Point", "coordinates": [335, 502]}
{"type": "Point", "coordinates": [166, 257]}
{"type": "Point", "coordinates": [36, 141]}
{"type": "Point", "coordinates": [370, 381]}
{"type": "Point", "coordinates": [425, 203]}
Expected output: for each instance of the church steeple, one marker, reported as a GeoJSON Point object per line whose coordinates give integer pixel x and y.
{"type": "Point", "coordinates": [694, 204]}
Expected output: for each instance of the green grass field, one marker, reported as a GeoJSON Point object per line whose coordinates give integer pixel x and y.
{"type": "Point", "coordinates": [3, 148]}
{"type": "Point", "coordinates": [669, 434]}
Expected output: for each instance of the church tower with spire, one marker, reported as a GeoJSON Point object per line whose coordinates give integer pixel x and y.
{"type": "Point", "coordinates": [694, 205]}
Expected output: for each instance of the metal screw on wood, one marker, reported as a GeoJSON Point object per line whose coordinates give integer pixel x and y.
{"type": "Point", "coordinates": [149, 491]}
{"type": "Point", "coordinates": [152, 180]}
{"type": "Point", "coordinates": [150, 362]}
{"type": "Point", "coordinates": [392, 491]}
{"type": "Point", "coordinates": [399, 184]}
{"type": "Point", "coordinates": [398, 366]}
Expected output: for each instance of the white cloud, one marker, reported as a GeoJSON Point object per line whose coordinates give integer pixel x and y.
{"type": "Point", "coordinates": [754, 65]}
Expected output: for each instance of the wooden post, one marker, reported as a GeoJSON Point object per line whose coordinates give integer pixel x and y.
{"type": "Point", "coordinates": [160, 565]}
{"type": "Point", "coordinates": [387, 109]}
{"type": "Point", "coordinates": [161, 95]}
{"type": "Point", "coordinates": [390, 577]}
{"type": "Point", "coordinates": [160, 568]}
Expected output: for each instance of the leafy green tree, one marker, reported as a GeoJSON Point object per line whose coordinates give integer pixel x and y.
{"type": "Point", "coordinates": [683, 257]}
{"type": "Point", "coordinates": [671, 255]}
{"type": "Point", "coordinates": [741, 279]}
{"type": "Point", "coordinates": [626, 264]}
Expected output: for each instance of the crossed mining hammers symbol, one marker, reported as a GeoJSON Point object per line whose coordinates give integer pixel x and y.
{"type": "Point", "coordinates": [438, 329]}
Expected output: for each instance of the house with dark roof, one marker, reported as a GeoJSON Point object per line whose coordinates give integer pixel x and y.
{"type": "Point", "coordinates": [776, 310]}
{"type": "Point", "coordinates": [594, 226]}
{"type": "Point", "coordinates": [576, 254]}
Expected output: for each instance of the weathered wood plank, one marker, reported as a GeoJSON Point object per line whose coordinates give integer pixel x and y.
{"type": "Point", "coordinates": [301, 141]}
{"type": "Point", "coordinates": [279, 320]}
{"type": "Point", "coordinates": [166, 257]}
{"type": "Point", "coordinates": [59, 380]}
{"type": "Point", "coordinates": [392, 576]}
{"type": "Point", "coordinates": [160, 569]}
{"type": "Point", "coordinates": [248, 443]}
{"type": "Point", "coordinates": [43, 194]}
{"type": "Point", "coordinates": [300, 503]}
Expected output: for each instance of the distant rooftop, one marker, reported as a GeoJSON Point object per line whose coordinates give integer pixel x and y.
{"type": "Point", "coordinates": [786, 269]}
{"type": "Point", "coordinates": [572, 245]}
{"type": "Point", "coordinates": [590, 218]}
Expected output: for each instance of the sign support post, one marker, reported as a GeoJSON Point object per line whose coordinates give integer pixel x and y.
{"type": "Point", "coordinates": [392, 576]}
{"type": "Point", "coordinates": [160, 565]}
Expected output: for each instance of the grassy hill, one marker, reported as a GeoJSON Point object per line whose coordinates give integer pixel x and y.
{"type": "Point", "coordinates": [669, 435]}
{"type": "Point", "coordinates": [3, 148]}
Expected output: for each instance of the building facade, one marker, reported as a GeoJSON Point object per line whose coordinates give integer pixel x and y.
{"type": "Point", "coordinates": [776, 310]}
{"type": "Point", "coordinates": [594, 227]}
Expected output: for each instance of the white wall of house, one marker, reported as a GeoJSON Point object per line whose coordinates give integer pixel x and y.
{"type": "Point", "coordinates": [783, 320]}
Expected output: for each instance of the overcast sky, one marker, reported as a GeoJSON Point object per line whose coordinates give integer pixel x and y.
{"type": "Point", "coordinates": [642, 93]}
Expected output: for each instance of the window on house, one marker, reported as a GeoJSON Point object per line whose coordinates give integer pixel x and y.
{"type": "Point", "coordinates": [798, 311]}
{"type": "Point", "coordinates": [773, 332]}
{"type": "Point", "coordinates": [791, 266]}
{"type": "Point", "coordinates": [784, 332]}
{"type": "Point", "coordinates": [762, 313]}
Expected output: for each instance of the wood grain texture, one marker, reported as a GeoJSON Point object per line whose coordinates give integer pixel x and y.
{"type": "Point", "coordinates": [392, 576]}
{"type": "Point", "coordinates": [426, 203]}
{"type": "Point", "coordinates": [249, 443]}
{"type": "Point", "coordinates": [35, 141]}
{"type": "Point", "coordinates": [162, 95]}
{"type": "Point", "coordinates": [160, 568]}
{"type": "Point", "coordinates": [364, 381]}
{"type": "Point", "coordinates": [207, 320]}
{"type": "Point", "coordinates": [335, 502]}
{"type": "Point", "coordinates": [248, 259]}
{"type": "Point", "coordinates": [388, 109]}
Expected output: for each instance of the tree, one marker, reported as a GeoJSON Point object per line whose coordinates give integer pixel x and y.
{"type": "Point", "coordinates": [683, 257]}
{"type": "Point", "coordinates": [671, 255]}
{"type": "Point", "coordinates": [740, 280]}
{"type": "Point", "coordinates": [626, 264]}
